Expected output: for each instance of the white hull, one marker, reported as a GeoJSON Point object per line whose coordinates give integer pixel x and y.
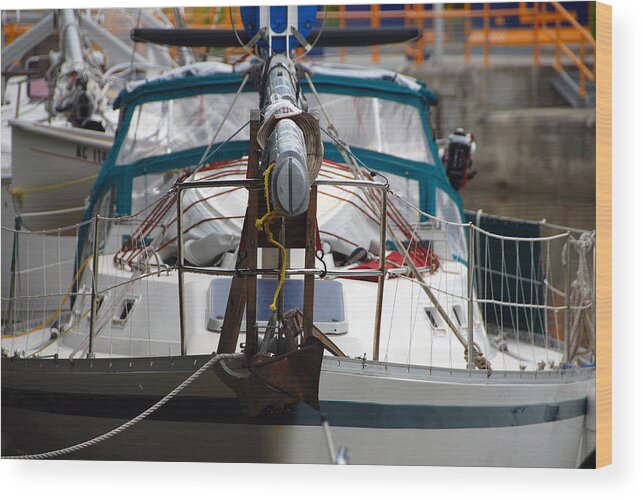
{"type": "Point", "coordinates": [549, 445]}
{"type": "Point", "coordinates": [55, 167]}
{"type": "Point", "coordinates": [542, 445]}
{"type": "Point", "coordinates": [382, 415]}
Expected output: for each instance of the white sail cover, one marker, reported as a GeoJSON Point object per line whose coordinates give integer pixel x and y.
{"type": "Point", "coordinates": [213, 217]}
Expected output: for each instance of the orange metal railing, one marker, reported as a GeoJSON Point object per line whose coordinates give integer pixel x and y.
{"type": "Point", "coordinates": [584, 38]}
{"type": "Point", "coordinates": [11, 31]}
{"type": "Point", "coordinates": [541, 24]}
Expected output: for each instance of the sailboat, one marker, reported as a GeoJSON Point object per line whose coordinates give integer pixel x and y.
{"type": "Point", "coordinates": [274, 267]}
{"type": "Point", "coordinates": [57, 124]}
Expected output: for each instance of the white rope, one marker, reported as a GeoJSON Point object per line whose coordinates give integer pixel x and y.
{"type": "Point", "coordinates": [233, 373]}
{"type": "Point", "coordinates": [493, 301]}
{"type": "Point", "coordinates": [47, 231]}
{"type": "Point", "coordinates": [43, 296]}
{"type": "Point", "coordinates": [77, 447]}
{"type": "Point", "coordinates": [541, 223]}
{"type": "Point", "coordinates": [526, 305]}
{"type": "Point", "coordinates": [53, 212]}
{"type": "Point", "coordinates": [476, 228]}
{"type": "Point", "coordinates": [547, 272]}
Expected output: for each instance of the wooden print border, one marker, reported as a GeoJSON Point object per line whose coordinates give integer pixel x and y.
{"type": "Point", "coordinates": [603, 234]}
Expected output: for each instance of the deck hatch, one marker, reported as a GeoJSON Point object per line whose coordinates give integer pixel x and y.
{"type": "Point", "coordinates": [329, 315]}
{"type": "Point", "coordinates": [124, 312]}
{"type": "Point", "coordinates": [436, 321]}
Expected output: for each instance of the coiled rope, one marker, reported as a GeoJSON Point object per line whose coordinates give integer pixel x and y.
{"type": "Point", "coordinates": [263, 224]}
{"type": "Point", "coordinates": [77, 447]}
{"type": "Point", "coordinates": [581, 296]}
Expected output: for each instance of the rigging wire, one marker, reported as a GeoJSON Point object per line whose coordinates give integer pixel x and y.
{"type": "Point", "coordinates": [234, 29]}
{"type": "Point", "coordinates": [225, 117]}
{"type": "Point", "coordinates": [238, 131]}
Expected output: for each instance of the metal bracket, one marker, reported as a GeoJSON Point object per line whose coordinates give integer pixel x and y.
{"type": "Point", "coordinates": [300, 38]}
{"type": "Point", "coordinates": [258, 36]}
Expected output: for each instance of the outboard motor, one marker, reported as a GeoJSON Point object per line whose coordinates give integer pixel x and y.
{"type": "Point", "coordinates": [73, 91]}
{"type": "Point", "coordinates": [458, 158]}
{"type": "Point", "coordinates": [76, 105]}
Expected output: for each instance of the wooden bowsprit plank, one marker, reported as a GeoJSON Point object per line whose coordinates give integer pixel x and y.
{"type": "Point", "coordinates": [243, 289]}
{"type": "Point", "coordinates": [309, 263]}
{"type": "Point", "coordinates": [251, 237]}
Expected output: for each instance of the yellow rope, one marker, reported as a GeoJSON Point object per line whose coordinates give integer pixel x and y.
{"type": "Point", "coordinates": [19, 192]}
{"type": "Point", "coordinates": [263, 224]}
{"type": "Point", "coordinates": [57, 311]}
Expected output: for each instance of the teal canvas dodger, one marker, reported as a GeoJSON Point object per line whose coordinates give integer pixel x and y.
{"type": "Point", "coordinates": [216, 79]}
{"type": "Point", "coordinates": [186, 85]}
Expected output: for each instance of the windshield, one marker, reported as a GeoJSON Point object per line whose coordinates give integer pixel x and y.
{"type": "Point", "coordinates": [165, 127]}
{"type": "Point", "coordinates": [446, 210]}
{"type": "Point", "coordinates": [375, 124]}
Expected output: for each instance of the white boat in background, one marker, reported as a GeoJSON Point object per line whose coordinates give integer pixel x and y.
{"type": "Point", "coordinates": [258, 272]}
{"type": "Point", "coordinates": [53, 170]}
{"type": "Point", "coordinates": [56, 125]}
